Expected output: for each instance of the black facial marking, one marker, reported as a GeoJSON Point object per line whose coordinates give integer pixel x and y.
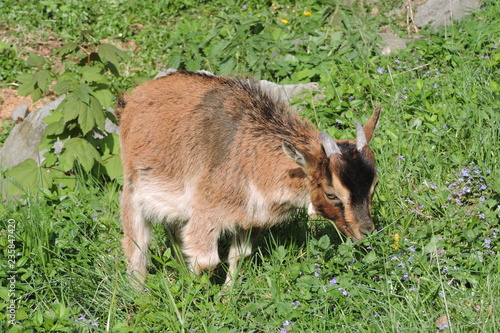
{"type": "Point", "coordinates": [356, 172]}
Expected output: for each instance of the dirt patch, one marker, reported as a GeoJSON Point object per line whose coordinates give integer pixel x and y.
{"type": "Point", "coordinates": [43, 44]}
{"type": "Point", "coordinates": [9, 100]}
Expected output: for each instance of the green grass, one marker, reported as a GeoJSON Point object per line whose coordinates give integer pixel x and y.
{"type": "Point", "coordinates": [437, 204]}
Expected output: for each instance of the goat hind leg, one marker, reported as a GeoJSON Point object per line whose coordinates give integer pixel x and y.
{"type": "Point", "coordinates": [137, 235]}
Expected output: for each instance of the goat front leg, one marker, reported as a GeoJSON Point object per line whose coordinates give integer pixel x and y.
{"type": "Point", "coordinates": [200, 244]}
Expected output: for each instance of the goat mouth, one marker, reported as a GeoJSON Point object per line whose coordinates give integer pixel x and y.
{"type": "Point", "coordinates": [352, 234]}
{"type": "Point", "coordinates": [356, 234]}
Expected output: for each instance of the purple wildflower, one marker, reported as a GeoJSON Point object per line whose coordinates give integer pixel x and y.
{"type": "Point", "coordinates": [284, 329]}
{"type": "Point", "coordinates": [87, 321]}
{"type": "Point", "coordinates": [443, 326]}
{"type": "Point", "coordinates": [430, 184]}
{"type": "Point", "coordinates": [344, 292]}
{"type": "Point", "coordinates": [487, 243]}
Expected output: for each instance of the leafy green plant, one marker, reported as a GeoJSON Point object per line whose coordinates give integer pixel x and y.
{"type": "Point", "coordinates": [76, 135]}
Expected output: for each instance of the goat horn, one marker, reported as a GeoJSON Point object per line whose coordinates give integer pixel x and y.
{"type": "Point", "coordinates": [329, 144]}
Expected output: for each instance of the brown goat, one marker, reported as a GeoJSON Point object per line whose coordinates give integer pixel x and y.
{"type": "Point", "coordinates": [207, 154]}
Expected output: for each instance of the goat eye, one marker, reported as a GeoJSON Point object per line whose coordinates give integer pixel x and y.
{"type": "Point", "coordinates": [334, 199]}
{"type": "Point", "coordinates": [331, 196]}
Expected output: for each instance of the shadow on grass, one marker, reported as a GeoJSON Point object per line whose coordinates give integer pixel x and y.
{"type": "Point", "coordinates": [295, 232]}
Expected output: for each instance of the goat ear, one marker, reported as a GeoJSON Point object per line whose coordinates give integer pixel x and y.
{"type": "Point", "coordinates": [294, 154]}
{"type": "Point", "coordinates": [360, 137]}
{"type": "Point", "coordinates": [329, 144]}
{"type": "Point", "coordinates": [371, 125]}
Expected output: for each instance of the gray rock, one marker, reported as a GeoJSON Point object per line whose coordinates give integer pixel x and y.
{"type": "Point", "coordinates": [442, 12]}
{"type": "Point", "coordinates": [288, 92]}
{"type": "Point", "coordinates": [169, 71]}
{"type": "Point", "coordinates": [111, 127]}
{"type": "Point", "coordinates": [439, 12]}
{"type": "Point", "coordinates": [392, 43]}
{"type": "Point", "coordinates": [58, 146]}
{"type": "Point", "coordinates": [24, 139]}
{"type": "Point", "coordinates": [20, 112]}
